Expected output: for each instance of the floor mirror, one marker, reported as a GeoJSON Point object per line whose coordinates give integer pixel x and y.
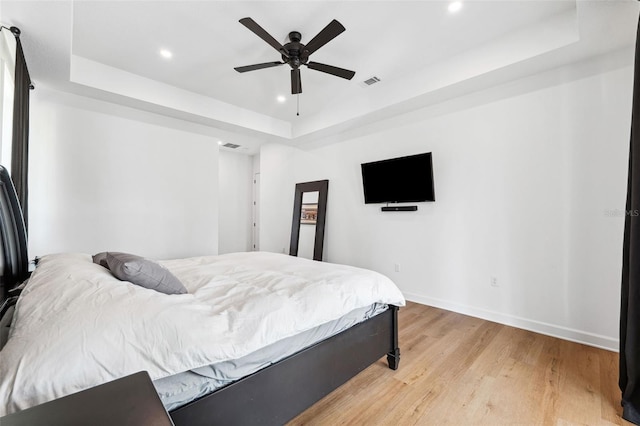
{"type": "Point", "coordinates": [309, 214]}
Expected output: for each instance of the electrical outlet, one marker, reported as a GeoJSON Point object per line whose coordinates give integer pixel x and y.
{"type": "Point", "coordinates": [396, 267]}
{"type": "Point", "coordinates": [494, 281]}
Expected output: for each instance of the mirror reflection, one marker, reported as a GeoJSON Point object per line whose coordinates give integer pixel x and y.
{"type": "Point", "coordinates": [308, 219]}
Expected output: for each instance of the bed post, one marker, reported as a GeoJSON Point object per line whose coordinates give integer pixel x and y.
{"type": "Point", "coordinates": [393, 357]}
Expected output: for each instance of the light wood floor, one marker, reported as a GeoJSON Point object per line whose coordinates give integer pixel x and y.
{"type": "Point", "coordinates": [461, 370]}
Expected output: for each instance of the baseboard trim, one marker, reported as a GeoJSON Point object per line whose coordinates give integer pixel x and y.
{"type": "Point", "coordinates": [578, 336]}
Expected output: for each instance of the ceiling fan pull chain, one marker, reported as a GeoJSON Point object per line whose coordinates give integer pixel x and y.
{"type": "Point", "coordinates": [298, 110]}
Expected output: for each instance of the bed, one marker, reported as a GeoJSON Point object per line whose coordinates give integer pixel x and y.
{"type": "Point", "coordinates": [273, 393]}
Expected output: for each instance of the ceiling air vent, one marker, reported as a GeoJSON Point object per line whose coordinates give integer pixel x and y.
{"type": "Point", "coordinates": [231, 145]}
{"type": "Point", "coordinates": [370, 81]}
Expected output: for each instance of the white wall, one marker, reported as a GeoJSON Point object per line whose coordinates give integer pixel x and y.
{"type": "Point", "coordinates": [278, 177]}
{"type": "Point", "coordinates": [524, 182]}
{"type": "Point", "coordinates": [105, 177]}
{"type": "Point", "coordinates": [236, 195]}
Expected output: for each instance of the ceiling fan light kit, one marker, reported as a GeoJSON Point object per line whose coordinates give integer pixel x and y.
{"type": "Point", "coordinates": [296, 54]}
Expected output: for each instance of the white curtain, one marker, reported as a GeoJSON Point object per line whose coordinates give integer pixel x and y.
{"type": "Point", "coordinates": [7, 79]}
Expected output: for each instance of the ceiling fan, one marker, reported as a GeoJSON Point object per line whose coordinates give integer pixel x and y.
{"type": "Point", "coordinates": [296, 54]}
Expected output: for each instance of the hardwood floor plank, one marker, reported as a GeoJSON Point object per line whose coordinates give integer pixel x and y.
{"type": "Point", "coordinates": [461, 370]}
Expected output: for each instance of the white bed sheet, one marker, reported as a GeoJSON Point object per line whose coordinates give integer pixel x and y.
{"type": "Point", "coordinates": [77, 326]}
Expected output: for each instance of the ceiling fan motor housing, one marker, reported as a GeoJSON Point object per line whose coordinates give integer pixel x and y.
{"type": "Point", "coordinates": [296, 51]}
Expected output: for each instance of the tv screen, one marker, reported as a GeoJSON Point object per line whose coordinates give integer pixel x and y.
{"type": "Point", "coordinates": [399, 180]}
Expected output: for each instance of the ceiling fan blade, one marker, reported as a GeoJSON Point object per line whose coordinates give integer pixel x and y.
{"type": "Point", "coordinates": [258, 66]}
{"type": "Point", "coordinates": [330, 69]}
{"type": "Point", "coordinates": [329, 32]}
{"type": "Point", "coordinates": [260, 32]}
{"type": "Point", "coordinates": [296, 83]}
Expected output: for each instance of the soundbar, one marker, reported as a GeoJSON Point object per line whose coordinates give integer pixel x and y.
{"type": "Point", "coordinates": [399, 209]}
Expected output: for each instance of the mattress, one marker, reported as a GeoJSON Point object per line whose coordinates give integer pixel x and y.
{"type": "Point", "coordinates": [180, 389]}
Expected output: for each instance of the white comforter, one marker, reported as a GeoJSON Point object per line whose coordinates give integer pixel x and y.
{"type": "Point", "coordinates": [77, 326]}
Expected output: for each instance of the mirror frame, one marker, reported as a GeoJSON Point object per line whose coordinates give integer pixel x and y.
{"type": "Point", "coordinates": [322, 187]}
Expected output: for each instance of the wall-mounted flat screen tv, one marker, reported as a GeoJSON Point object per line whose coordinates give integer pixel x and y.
{"type": "Point", "coordinates": [399, 180]}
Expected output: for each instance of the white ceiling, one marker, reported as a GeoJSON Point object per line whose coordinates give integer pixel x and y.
{"type": "Point", "coordinates": [110, 50]}
{"type": "Point", "coordinates": [386, 39]}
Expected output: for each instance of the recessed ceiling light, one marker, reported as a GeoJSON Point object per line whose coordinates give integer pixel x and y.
{"type": "Point", "coordinates": [455, 6]}
{"type": "Point", "coordinates": [220, 142]}
{"type": "Point", "coordinates": [281, 99]}
{"type": "Point", "coordinates": [166, 53]}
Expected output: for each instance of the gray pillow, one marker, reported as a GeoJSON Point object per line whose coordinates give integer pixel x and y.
{"type": "Point", "coordinates": [101, 259]}
{"type": "Point", "coordinates": [143, 272]}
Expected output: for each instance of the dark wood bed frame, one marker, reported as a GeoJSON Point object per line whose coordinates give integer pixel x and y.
{"type": "Point", "coordinates": [271, 396]}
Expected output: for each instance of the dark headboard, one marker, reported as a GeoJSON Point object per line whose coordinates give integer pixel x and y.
{"type": "Point", "coordinates": [14, 260]}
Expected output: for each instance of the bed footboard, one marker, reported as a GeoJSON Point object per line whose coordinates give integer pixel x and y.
{"type": "Point", "coordinates": [276, 394]}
